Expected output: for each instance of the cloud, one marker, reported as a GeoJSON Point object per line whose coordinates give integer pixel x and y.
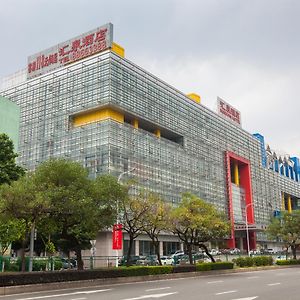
{"type": "Point", "coordinates": [265, 98]}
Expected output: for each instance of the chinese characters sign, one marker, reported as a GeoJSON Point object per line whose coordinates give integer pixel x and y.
{"type": "Point", "coordinates": [117, 237]}
{"type": "Point", "coordinates": [228, 112]}
{"type": "Point", "coordinates": [70, 51]}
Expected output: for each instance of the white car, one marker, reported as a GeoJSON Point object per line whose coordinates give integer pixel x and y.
{"type": "Point", "coordinates": [166, 260]}
{"type": "Point", "coordinates": [214, 252]}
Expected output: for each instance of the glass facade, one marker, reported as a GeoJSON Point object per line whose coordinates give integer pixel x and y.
{"type": "Point", "coordinates": [174, 144]}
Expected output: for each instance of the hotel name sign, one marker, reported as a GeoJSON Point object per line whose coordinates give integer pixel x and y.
{"type": "Point", "coordinates": [228, 112]}
{"type": "Point", "coordinates": [70, 51]}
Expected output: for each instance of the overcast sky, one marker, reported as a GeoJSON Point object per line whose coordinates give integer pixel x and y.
{"type": "Point", "coordinates": [245, 51]}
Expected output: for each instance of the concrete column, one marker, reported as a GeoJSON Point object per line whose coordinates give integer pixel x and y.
{"type": "Point", "coordinates": [242, 243]}
{"type": "Point", "coordinates": [161, 248]}
{"type": "Point", "coordinates": [282, 201]}
{"type": "Point", "coordinates": [181, 246]}
{"type": "Point", "coordinates": [137, 247]}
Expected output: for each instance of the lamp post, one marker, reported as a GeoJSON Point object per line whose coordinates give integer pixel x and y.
{"type": "Point", "coordinates": [119, 180]}
{"type": "Point", "coordinates": [247, 229]}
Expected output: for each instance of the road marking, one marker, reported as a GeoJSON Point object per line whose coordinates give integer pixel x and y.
{"type": "Point", "coordinates": [157, 289]}
{"type": "Point", "coordinates": [248, 298]}
{"type": "Point", "coordinates": [271, 284]}
{"type": "Point", "coordinates": [227, 292]}
{"type": "Point", "coordinates": [217, 281]}
{"type": "Point", "coordinates": [66, 294]}
{"type": "Point", "coordinates": [151, 296]}
{"type": "Point", "coordinates": [252, 277]}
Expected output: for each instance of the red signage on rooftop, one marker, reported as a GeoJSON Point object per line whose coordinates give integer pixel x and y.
{"type": "Point", "coordinates": [70, 51]}
{"type": "Point", "coordinates": [228, 112]}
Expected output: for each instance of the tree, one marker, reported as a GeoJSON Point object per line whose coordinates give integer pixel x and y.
{"type": "Point", "coordinates": [196, 222]}
{"type": "Point", "coordinates": [10, 230]}
{"type": "Point", "coordinates": [21, 201]}
{"type": "Point", "coordinates": [133, 210]}
{"type": "Point", "coordinates": [79, 207]}
{"type": "Point", "coordinates": [287, 228]}
{"type": "Point", "coordinates": [154, 220]}
{"type": "Point", "coordinates": [9, 171]}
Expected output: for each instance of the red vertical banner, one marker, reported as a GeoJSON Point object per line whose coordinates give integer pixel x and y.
{"type": "Point", "coordinates": [117, 237]}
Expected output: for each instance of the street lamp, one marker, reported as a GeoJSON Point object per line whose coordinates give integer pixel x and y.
{"type": "Point", "coordinates": [119, 180]}
{"type": "Point", "coordinates": [247, 229]}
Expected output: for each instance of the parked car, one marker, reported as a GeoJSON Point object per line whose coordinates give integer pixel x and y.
{"type": "Point", "coordinates": [268, 251]}
{"type": "Point", "coordinates": [254, 252]}
{"type": "Point", "coordinates": [215, 252]}
{"type": "Point", "coordinates": [235, 251]}
{"type": "Point", "coordinates": [281, 257]}
{"type": "Point", "coordinates": [166, 260]}
{"type": "Point", "coordinates": [149, 260]}
{"type": "Point", "coordinates": [68, 263]}
{"type": "Point", "coordinates": [178, 252]}
{"type": "Point", "coordinates": [133, 260]}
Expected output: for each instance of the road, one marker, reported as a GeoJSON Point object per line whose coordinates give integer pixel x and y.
{"type": "Point", "coordinates": [261, 285]}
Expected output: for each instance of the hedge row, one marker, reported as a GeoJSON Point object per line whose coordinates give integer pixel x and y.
{"type": "Point", "coordinates": [214, 266]}
{"type": "Point", "coordinates": [10, 279]}
{"type": "Point", "coordinates": [254, 261]}
{"type": "Point", "coordinates": [288, 262]}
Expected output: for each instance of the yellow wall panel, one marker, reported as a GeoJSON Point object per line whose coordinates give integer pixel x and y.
{"type": "Point", "coordinates": [135, 123]}
{"type": "Point", "coordinates": [157, 133]}
{"type": "Point", "coordinates": [97, 115]}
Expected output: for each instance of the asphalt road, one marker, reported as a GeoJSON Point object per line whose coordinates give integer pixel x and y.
{"type": "Point", "coordinates": [262, 285]}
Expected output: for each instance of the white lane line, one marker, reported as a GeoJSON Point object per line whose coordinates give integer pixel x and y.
{"type": "Point", "coordinates": [227, 292]}
{"type": "Point", "coordinates": [66, 294]}
{"type": "Point", "coordinates": [248, 298]}
{"type": "Point", "coordinates": [276, 283]}
{"type": "Point", "coordinates": [151, 296]}
{"type": "Point", "coordinates": [157, 289]}
{"type": "Point", "coordinates": [252, 277]}
{"type": "Point", "coordinates": [217, 281]}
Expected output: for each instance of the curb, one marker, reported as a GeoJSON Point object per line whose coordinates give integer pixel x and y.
{"type": "Point", "coordinates": [39, 287]}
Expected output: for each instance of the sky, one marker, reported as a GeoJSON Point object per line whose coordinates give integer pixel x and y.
{"type": "Point", "coordinates": [244, 51]}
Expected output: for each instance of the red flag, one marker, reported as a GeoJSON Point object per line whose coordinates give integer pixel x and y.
{"type": "Point", "coordinates": [117, 237]}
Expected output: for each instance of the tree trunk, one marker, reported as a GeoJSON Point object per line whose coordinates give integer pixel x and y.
{"type": "Point", "coordinates": [294, 251]}
{"type": "Point", "coordinates": [128, 258]}
{"type": "Point", "coordinates": [207, 253]}
{"type": "Point", "coordinates": [189, 250]}
{"type": "Point", "coordinates": [23, 262]}
{"type": "Point", "coordinates": [156, 245]}
{"type": "Point", "coordinates": [79, 259]}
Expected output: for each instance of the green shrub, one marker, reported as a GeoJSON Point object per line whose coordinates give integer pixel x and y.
{"type": "Point", "coordinates": [184, 268]}
{"type": "Point", "coordinates": [214, 266]}
{"type": "Point", "coordinates": [288, 262]}
{"type": "Point", "coordinates": [12, 268]}
{"type": "Point", "coordinates": [143, 271]}
{"type": "Point", "coordinates": [254, 261]}
{"type": "Point", "coordinates": [203, 267]}
{"type": "Point", "coordinates": [262, 260]}
{"type": "Point", "coordinates": [222, 265]}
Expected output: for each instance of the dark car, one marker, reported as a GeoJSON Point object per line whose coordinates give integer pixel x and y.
{"type": "Point", "coordinates": [69, 263]}
{"type": "Point", "coordinates": [133, 260]}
